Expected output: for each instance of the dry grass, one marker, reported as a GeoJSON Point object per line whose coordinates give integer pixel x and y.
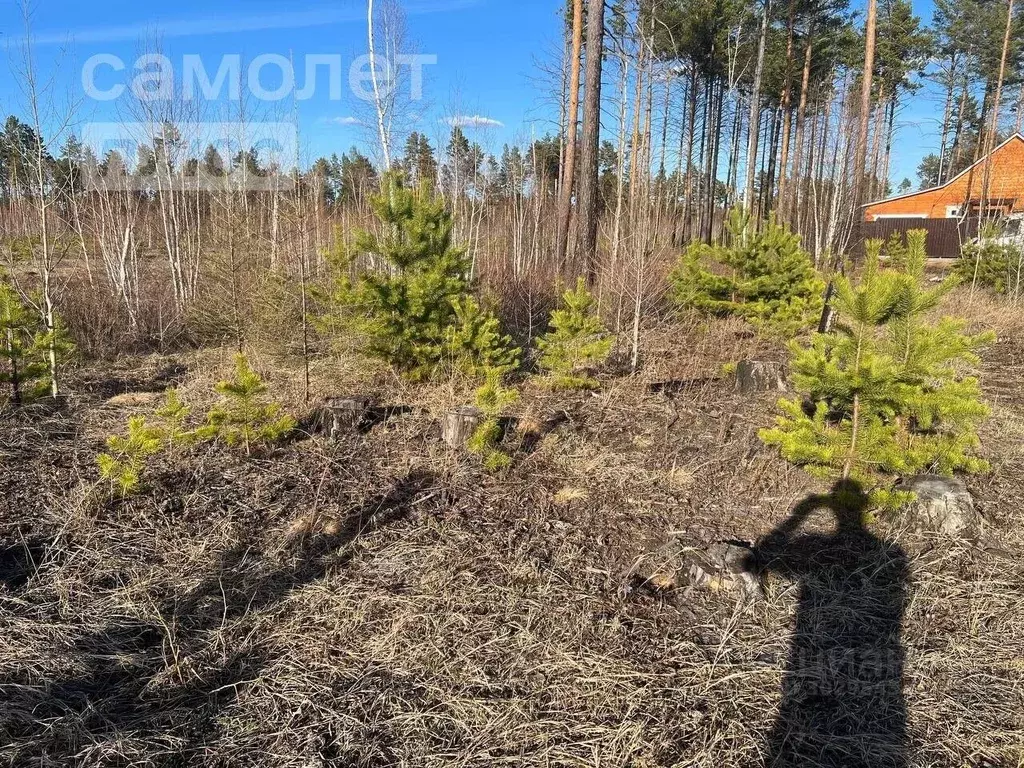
{"type": "Point", "coordinates": [382, 602]}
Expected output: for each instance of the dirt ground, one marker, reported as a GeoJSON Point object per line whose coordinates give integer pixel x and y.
{"type": "Point", "coordinates": [381, 601]}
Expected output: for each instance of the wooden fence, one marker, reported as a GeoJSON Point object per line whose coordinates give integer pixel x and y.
{"type": "Point", "coordinates": [944, 241]}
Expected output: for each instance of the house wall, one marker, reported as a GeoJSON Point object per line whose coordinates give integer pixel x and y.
{"type": "Point", "coordinates": [1006, 183]}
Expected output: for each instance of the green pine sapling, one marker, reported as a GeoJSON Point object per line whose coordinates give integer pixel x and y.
{"type": "Point", "coordinates": [174, 414]}
{"type": "Point", "coordinates": [405, 293]}
{"type": "Point", "coordinates": [245, 416]}
{"type": "Point", "coordinates": [886, 394]}
{"type": "Point", "coordinates": [475, 343]}
{"type": "Point", "coordinates": [400, 304]}
{"type": "Point", "coordinates": [24, 346]}
{"type": "Point", "coordinates": [764, 277]}
{"type": "Point", "coordinates": [577, 341]}
{"type": "Point", "coordinates": [492, 399]}
{"type": "Point", "coordinates": [127, 456]}
{"type": "Point", "coordinates": [991, 264]}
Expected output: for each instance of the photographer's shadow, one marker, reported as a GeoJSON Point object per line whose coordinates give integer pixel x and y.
{"type": "Point", "coordinates": [842, 700]}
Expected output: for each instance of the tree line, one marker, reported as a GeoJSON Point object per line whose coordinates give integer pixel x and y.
{"type": "Point", "coordinates": [669, 114]}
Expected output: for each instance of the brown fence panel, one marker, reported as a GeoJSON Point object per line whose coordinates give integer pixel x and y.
{"type": "Point", "coordinates": [944, 241]}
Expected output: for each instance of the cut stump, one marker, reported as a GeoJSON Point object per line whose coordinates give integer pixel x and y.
{"type": "Point", "coordinates": [759, 376]}
{"type": "Point", "coordinates": [343, 415]}
{"type": "Point", "coordinates": [721, 567]}
{"type": "Point", "coordinates": [726, 566]}
{"type": "Point", "coordinates": [460, 424]}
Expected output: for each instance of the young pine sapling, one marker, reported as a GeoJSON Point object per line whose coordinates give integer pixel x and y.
{"type": "Point", "coordinates": [576, 342]}
{"type": "Point", "coordinates": [886, 394]}
{"type": "Point", "coordinates": [125, 460]}
{"type": "Point", "coordinates": [492, 399]}
{"type": "Point", "coordinates": [475, 344]}
{"type": "Point", "coordinates": [174, 414]}
{"type": "Point", "coordinates": [245, 416]}
{"type": "Point", "coordinates": [399, 298]}
{"type": "Point", "coordinates": [764, 277]}
{"type": "Point", "coordinates": [25, 346]}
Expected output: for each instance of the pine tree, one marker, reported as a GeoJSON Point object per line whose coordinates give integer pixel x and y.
{"type": "Point", "coordinates": [895, 251]}
{"type": "Point", "coordinates": [492, 399]}
{"type": "Point", "coordinates": [402, 310]}
{"type": "Point", "coordinates": [24, 346]}
{"type": "Point", "coordinates": [995, 265]}
{"type": "Point", "coordinates": [127, 456]}
{"type": "Point", "coordinates": [245, 416]}
{"type": "Point", "coordinates": [475, 343]}
{"type": "Point", "coordinates": [419, 162]}
{"type": "Point", "coordinates": [943, 407]}
{"type": "Point", "coordinates": [885, 394]}
{"type": "Point", "coordinates": [462, 163]}
{"type": "Point", "coordinates": [13, 321]}
{"type": "Point", "coordinates": [414, 311]}
{"type": "Point", "coordinates": [577, 340]}
{"type": "Point", "coordinates": [764, 277]}
{"type": "Point", "coordinates": [174, 414]}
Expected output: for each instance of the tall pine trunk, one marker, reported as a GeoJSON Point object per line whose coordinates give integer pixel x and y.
{"type": "Point", "coordinates": [991, 140]}
{"type": "Point", "coordinates": [889, 134]}
{"type": "Point", "coordinates": [955, 150]}
{"type": "Point", "coordinates": [755, 112]}
{"type": "Point", "coordinates": [876, 145]}
{"type": "Point", "coordinates": [786, 106]}
{"type": "Point", "coordinates": [772, 150]}
{"type": "Point", "coordinates": [691, 120]}
{"type": "Point", "coordinates": [860, 156]}
{"type": "Point", "coordinates": [620, 169]}
{"type": "Point", "coordinates": [801, 113]}
{"type": "Point", "coordinates": [589, 202]}
{"type": "Point", "coordinates": [947, 115]}
{"type": "Point", "coordinates": [572, 120]}
{"type": "Point", "coordinates": [714, 160]}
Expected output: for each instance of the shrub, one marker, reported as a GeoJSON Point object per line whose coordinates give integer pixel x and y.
{"type": "Point", "coordinates": [127, 456]}
{"type": "Point", "coordinates": [244, 416]}
{"type": "Point", "coordinates": [577, 340]}
{"type": "Point", "coordinates": [885, 394]}
{"type": "Point", "coordinates": [245, 301]}
{"type": "Point", "coordinates": [492, 399]}
{"type": "Point", "coordinates": [764, 277]}
{"type": "Point", "coordinates": [402, 307]}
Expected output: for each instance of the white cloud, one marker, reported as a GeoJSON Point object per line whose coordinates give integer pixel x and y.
{"type": "Point", "coordinates": [345, 120]}
{"type": "Point", "coordinates": [316, 16]}
{"type": "Point", "coordinates": [473, 121]}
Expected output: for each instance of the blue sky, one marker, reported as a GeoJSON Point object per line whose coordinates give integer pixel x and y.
{"type": "Point", "coordinates": [487, 54]}
{"type": "Point", "coordinates": [489, 60]}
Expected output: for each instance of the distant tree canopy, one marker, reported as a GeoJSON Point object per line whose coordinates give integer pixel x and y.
{"type": "Point", "coordinates": [350, 178]}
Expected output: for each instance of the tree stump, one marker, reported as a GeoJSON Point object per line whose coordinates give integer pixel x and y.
{"type": "Point", "coordinates": [343, 415]}
{"type": "Point", "coordinates": [759, 376]}
{"type": "Point", "coordinates": [460, 424]}
{"type": "Point", "coordinates": [723, 567]}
